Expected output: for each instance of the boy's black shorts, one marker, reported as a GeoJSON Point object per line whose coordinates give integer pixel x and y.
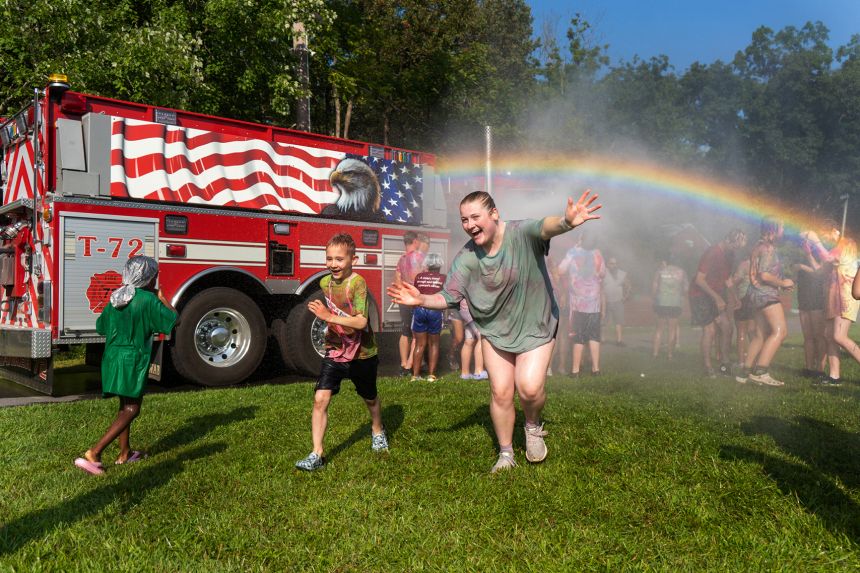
{"type": "Point", "coordinates": [361, 372]}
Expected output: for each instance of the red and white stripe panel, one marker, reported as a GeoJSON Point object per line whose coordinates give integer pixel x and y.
{"type": "Point", "coordinates": [20, 163]}
{"type": "Point", "coordinates": [169, 163]}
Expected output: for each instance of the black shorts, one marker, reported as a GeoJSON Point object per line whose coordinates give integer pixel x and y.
{"type": "Point", "coordinates": [703, 310]}
{"type": "Point", "coordinates": [745, 312]}
{"type": "Point", "coordinates": [586, 327]}
{"type": "Point", "coordinates": [361, 372]}
{"type": "Point", "coordinates": [667, 311]}
{"type": "Point", "coordinates": [406, 320]}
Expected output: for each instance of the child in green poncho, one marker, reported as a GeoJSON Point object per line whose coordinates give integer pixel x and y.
{"type": "Point", "coordinates": [128, 323]}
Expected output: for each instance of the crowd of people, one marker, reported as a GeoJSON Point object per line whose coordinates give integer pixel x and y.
{"type": "Point", "coordinates": [513, 309]}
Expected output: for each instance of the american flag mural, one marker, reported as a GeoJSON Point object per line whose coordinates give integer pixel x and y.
{"type": "Point", "coordinates": [402, 188]}
{"type": "Point", "coordinates": [157, 162]}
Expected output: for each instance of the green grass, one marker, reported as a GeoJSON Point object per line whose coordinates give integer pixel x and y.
{"type": "Point", "coordinates": [667, 472]}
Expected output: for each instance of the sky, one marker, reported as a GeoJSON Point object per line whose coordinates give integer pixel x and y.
{"type": "Point", "coordinates": [692, 30]}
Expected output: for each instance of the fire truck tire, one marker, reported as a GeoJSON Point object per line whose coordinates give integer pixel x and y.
{"type": "Point", "coordinates": [221, 338]}
{"type": "Point", "coordinates": [302, 337]}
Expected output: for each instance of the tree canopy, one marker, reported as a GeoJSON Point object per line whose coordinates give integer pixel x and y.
{"type": "Point", "coordinates": [783, 116]}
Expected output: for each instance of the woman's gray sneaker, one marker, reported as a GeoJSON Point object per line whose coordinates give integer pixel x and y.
{"type": "Point", "coordinates": [535, 446]}
{"type": "Point", "coordinates": [505, 461]}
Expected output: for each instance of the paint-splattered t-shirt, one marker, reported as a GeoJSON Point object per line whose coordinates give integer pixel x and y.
{"type": "Point", "coordinates": [347, 298]}
{"type": "Point", "coordinates": [509, 294]}
{"type": "Point", "coordinates": [584, 271]}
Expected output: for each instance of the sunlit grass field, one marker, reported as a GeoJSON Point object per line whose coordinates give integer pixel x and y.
{"type": "Point", "coordinates": [670, 471]}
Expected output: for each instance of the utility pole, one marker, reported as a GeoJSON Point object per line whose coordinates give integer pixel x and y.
{"type": "Point", "coordinates": [488, 135]}
{"type": "Point", "coordinates": [300, 49]}
{"type": "Point", "coordinates": [844, 212]}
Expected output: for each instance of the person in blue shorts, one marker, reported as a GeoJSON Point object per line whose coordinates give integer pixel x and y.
{"type": "Point", "coordinates": [427, 323]}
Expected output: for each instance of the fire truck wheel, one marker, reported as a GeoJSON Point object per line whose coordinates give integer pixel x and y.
{"type": "Point", "coordinates": [302, 338]}
{"type": "Point", "coordinates": [221, 338]}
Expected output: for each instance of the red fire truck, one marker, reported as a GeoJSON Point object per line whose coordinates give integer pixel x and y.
{"type": "Point", "coordinates": [236, 213]}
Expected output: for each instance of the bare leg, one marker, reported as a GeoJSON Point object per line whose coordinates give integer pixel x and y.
{"type": "Point", "coordinates": [479, 357]}
{"type": "Point", "coordinates": [457, 337]}
{"type": "Point", "coordinates": [405, 347]}
{"type": "Point", "coordinates": [466, 352]}
{"type": "Point", "coordinates": [671, 333]}
{"type": "Point", "coordinates": [577, 356]}
{"type": "Point", "coordinates": [819, 325]}
{"type": "Point", "coordinates": [420, 343]}
{"type": "Point", "coordinates": [655, 341]}
{"type": "Point", "coordinates": [724, 340]}
{"type": "Point", "coordinates": [777, 331]}
{"type": "Point", "coordinates": [840, 335]}
{"type": "Point", "coordinates": [129, 410]}
{"type": "Point", "coordinates": [757, 339]}
{"type": "Point", "coordinates": [375, 408]}
{"type": "Point", "coordinates": [319, 419]}
{"type": "Point", "coordinates": [530, 379]}
{"type": "Point", "coordinates": [502, 367]}
{"type": "Point", "coordinates": [433, 352]}
{"type": "Point", "coordinates": [594, 350]}
{"type": "Point", "coordinates": [706, 343]}
{"type": "Point", "coordinates": [832, 349]}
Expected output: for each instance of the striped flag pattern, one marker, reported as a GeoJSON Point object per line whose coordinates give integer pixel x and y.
{"type": "Point", "coordinates": [160, 162]}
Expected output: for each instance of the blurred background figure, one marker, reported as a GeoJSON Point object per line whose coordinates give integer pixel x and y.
{"type": "Point", "coordinates": [668, 288]}
{"type": "Point", "coordinates": [738, 287]}
{"type": "Point", "coordinates": [426, 322]}
{"type": "Point", "coordinates": [584, 269]}
{"type": "Point", "coordinates": [616, 291]}
{"type": "Point", "coordinates": [811, 300]}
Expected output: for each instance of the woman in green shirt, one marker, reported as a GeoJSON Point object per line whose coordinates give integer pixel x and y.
{"type": "Point", "coordinates": [134, 314]}
{"type": "Point", "coordinates": [501, 273]}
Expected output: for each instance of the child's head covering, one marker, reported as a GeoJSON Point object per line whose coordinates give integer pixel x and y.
{"type": "Point", "coordinates": [138, 272]}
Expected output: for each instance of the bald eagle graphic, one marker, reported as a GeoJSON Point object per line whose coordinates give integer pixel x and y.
{"type": "Point", "coordinates": [358, 190]}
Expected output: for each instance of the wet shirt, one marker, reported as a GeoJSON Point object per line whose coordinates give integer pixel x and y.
{"type": "Point", "coordinates": [585, 271]}
{"type": "Point", "coordinates": [429, 282]}
{"type": "Point", "coordinates": [410, 265]}
{"type": "Point", "coordinates": [128, 342]}
{"type": "Point", "coordinates": [670, 286]}
{"type": "Point", "coordinates": [509, 293]}
{"type": "Point", "coordinates": [347, 298]}
{"type": "Point", "coordinates": [763, 259]}
{"type": "Point", "coordinates": [716, 264]}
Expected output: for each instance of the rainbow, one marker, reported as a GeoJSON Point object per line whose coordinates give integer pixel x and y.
{"type": "Point", "coordinates": [606, 172]}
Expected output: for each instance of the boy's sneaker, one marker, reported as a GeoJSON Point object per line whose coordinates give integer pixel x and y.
{"type": "Point", "coordinates": [765, 380]}
{"type": "Point", "coordinates": [505, 461]}
{"type": "Point", "coordinates": [311, 463]}
{"type": "Point", "coordinates": [482, 375]}
{"type": "Point", "coordinates": [379, 442]}
{"type": "Point", "coordinates": [431, 378]}
{"type": "Point", "coordinates": [535, 445]}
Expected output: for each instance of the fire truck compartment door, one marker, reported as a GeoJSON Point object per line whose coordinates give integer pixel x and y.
{"type": "Point", "coordinates": [95, 248]}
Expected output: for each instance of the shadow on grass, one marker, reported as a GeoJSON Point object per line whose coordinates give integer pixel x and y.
{"type": "Point", "coordinates": [828, 454]}
{"type": "Point", "coordinates": [481, 417]}
{"type": "Point", "coordinates": [132, 490]}
{"type": "Point", "coordinates": [198, 426]}
{"type": "Point", "coordinates": [392, 418]}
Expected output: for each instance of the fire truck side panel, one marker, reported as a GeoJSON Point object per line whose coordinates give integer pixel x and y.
{"type": "Point", "coordinates": [237, 214]}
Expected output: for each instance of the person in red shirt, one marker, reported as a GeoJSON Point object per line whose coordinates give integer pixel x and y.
{"type": "Point", "coordinates": [408, 266]}
{"type": "Point", "coordinates": [708, 294]}
{"type": "Point", "coordinates": [427, 323]}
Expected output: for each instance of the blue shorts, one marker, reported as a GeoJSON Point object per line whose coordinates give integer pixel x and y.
{"type": "Point", "coordinates": [426, 320]}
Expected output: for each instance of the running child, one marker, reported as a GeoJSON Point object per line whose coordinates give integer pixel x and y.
{"type": "Point", "coordinates": [134, 314]}
{"type": "Point", "coordinates": [351, 350]}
